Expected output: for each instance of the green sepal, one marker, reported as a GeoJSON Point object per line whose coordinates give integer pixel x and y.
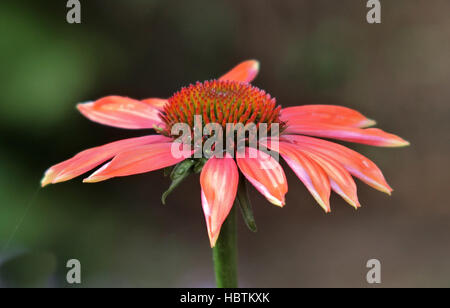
{"type": "Point", "coordinates": [179, 173]}
{"type": "Point", "coordinates": [181, 168]}
{"type": "Point", "coordinates": [199, 165]}
{"type": "Point", "coordinates": [245, 205]}
{"type": "Point", "coordinates": [174, 185]}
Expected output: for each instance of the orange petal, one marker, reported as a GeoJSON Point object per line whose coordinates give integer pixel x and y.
{"type": "Point", "coordinates": [219, 181]}
{"type": "Point", "coordinates": [370, 136]}
{"type": "Point", "coordinates": [142, 159]}
{"type": "Point", "coordinates": [157, 103]}
{"type": "Point", "coordinates": [340, 180]}
{"type": "Point", "coordinates": [122, 112]}
{"type": "Point", "coordinates": [265, 173]}
{"type": "Point", "coordinates": [330, 114]}
{"type": "Point", "coordinates": [355, 163]}
{"type": "Point", "coordinates": [245, 72]}
{"type": "Point", "coordinates": [308, 171]}
{"type": "Point", "coordinates": [91, 158]}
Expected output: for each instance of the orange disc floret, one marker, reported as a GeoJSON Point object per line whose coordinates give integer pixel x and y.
{"type": "Point", "coordinates": [221, 102]}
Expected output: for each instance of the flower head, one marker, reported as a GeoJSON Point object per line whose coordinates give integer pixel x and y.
{"type": "Point", "coordinates": [222, 102]}
{"type": "Point", "coordinates": [321, 165]}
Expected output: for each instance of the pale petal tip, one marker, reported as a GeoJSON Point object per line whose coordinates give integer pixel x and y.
{"type": "Point", "coordinates": [352, 204]}
{"type": "Point", "coordinates": [277, 202]}
{"type": "Point", "coordinates": [84, 108]}
{"type": "Point", "coordinates": [213, 240]}
{"type": "Point", "coordinates": [325, 207]}
{"type": "Point", "coordinates": [47, 178]}
{"type": "Point", "coordinates": [53, 177]}
{"type": "Point", "coordinates": [399, 143]}
{"type": "Point", "coordinates": [255, 65]}
{"type": "Point", "coordinates": [356, 205]}
{"type": "Point", "coordinates": [213, 234]}
{"type": "Point", "coordinates": [97, 176]}
{"type": "Point", "coordinates": [324, 204]}
{"type": "Point", "coordinates": [212, 243]}
{"type": "Point", "coordinates": [50, 177]}
{"type": "Point", "coordinates": [83, 105]}
{"type": "Point", "coordinates": [368, 123]}
{"type": "Point", "coordinates": [384, 188]}
{"type": "Point", "coordinates": [404, 143]}
{"type": "Point", "coordinates": [92, 179]}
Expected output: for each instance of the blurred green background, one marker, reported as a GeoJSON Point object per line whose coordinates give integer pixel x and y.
{"type": "Point", "coordinates": [396, 72]}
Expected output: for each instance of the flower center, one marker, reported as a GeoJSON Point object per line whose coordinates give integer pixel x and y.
{"type": "Point", "coordinates": [221, 102]}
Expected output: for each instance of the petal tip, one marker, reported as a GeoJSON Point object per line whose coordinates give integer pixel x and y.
{"type": "Point", "coordinates": [385, 189]}
{"type": "Point", "coordinates": [213, 240]}
{"type": "Point", "coordinates": [255, 64]}
{"type": "Point", "coordinates": [278, 203]}
{"type": "Point", "coordinates": [82, 106]}
{"type": "Point", "coordinates": [94, 178]}
{"type": "Point", "coordinates": [404, 143]}
{"type": "Point", "coordinates": [45, 181]}
{"type": "Point", "coordinates": [244, 72]}
{"type": "Point", "coordinates": [399, 143]}
{"type": "Point", "coordinates": [368, 123]}
{"type": "Point", "coordinates": [325, 206]}
{"type": "Point", "coordinates": [212, 243]}
{"type": "Point", "coordinates": [49, 178]}
{"type": "Point", "coordinates": [354, 203]}
{"type": "Point", "coordinates": [275, 201]}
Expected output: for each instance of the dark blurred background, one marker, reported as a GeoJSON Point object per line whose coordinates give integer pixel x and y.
{"type": "Point", "coordinates": [396, 72]}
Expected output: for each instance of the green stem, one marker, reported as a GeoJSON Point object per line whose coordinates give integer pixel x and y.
{"type": "Point", "coordinates": [225, 253]}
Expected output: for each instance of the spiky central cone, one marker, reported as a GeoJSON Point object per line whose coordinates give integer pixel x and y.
{"type": "Point", "coordinates": [221, 102]}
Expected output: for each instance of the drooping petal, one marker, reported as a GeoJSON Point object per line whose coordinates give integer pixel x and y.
{"type": "Point", "coordinates": [122, 112]}
{"type": "Point", "coordinates": [370, 136]}
{"type": "Point", "coordinates": [142, 159]}
{"type": "Point", "coordinates": [91, 158]}
{"type": "Point", "coordinates": [219, 181]}
{"type": "Point", "coordinates": [245, 72]}
{"type": "Point", "coordinates": [265, 173]}
{"type": "Point", "coordinates": [355, 163]}
{"type": "Point", "coordinates": [340, 179]}
{"type": "Point", "coordinates": [331, 114]}
{"type": "Point", "coordinates": [308, 171]}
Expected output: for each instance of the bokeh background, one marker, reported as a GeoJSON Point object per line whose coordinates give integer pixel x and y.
{"type": "Point", "coordinates": [397, 72]}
